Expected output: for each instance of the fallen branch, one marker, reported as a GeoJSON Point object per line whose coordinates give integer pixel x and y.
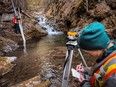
{"type": "Point", "coordinates": [29, 16]}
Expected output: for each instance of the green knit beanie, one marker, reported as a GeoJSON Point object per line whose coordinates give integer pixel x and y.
{"type": "Point", "coordinates": [93, 37]}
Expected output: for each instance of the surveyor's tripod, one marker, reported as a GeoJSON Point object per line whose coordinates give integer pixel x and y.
{"type": "Point", "coordinates": [71, 44]}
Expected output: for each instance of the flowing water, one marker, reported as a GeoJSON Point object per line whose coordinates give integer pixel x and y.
{"type": "Point", "coordinates": [50, 27]}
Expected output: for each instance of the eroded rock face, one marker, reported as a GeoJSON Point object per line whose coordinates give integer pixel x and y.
{"type": "Point", "coordinates": [110, 22]}
{"type": "Point", "coordinates": [72, 13]}
{"type": "Point", "coordinates": [111, 3]}
{"type": "Point", "coordinates": [114, 33]}
{"type": "Point", "coordinates": [65, 12]}
{"type": "Point", "coordinates": [102, 10]}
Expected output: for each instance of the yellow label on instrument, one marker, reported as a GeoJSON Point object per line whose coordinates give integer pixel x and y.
{"type": "Point", "coordinates": [72, 33]}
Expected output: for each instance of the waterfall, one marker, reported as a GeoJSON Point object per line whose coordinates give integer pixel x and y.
{"type": "Point", "coordinates": [47, 25]}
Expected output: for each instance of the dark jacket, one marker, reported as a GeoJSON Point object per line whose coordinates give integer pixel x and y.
{"type": "Point", "coordinates": [111, 81]}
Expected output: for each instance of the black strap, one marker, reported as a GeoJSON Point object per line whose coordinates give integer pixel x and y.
{"type": "Point", "coordinates": [83, 82]}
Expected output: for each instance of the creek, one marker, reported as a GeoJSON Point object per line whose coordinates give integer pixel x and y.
{"type": "Point", "coordinates": [35, 62]}
{"type": "Point", "coordinates": [39, 61]}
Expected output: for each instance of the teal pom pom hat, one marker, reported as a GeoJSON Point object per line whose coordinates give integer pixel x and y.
{"type": "Point", "coordinates": [93, 37]}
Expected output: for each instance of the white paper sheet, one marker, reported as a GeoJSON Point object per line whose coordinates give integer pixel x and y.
{"type": "Point", "coordinates": [75, 73]}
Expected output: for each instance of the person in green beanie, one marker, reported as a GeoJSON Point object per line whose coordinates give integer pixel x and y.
{"type": "Point", "coordinates": [94, 40]}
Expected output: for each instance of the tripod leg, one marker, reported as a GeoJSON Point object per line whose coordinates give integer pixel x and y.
{"type": "Point", "coordinates": [67, 68]}
{"type": "Point", "coordinates": [67, 57]}
{"type": "Point", "coordinates": [82, 57]}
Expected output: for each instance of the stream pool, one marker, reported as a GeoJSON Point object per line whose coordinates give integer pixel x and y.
{"type": "Point", "coordinates": [34, 62]}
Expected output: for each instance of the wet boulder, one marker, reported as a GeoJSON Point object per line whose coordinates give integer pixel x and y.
{"type": "Point", "coordinates": [6, 64]}
{"type": "Point", "coordinates": [52, 75]}
{"type": "Point", "coordinates": [33, 82]}
{"type": "Point", "coordinates": [7, 17]}
{"type": "Point", "coordinates": [41, 30]}
{"type": "Point", "coordinates": [33, 30]}
{"type": "Point", "coordinates": [7, 45]}
{"type": "Point", "coordinates": [48, 74]}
